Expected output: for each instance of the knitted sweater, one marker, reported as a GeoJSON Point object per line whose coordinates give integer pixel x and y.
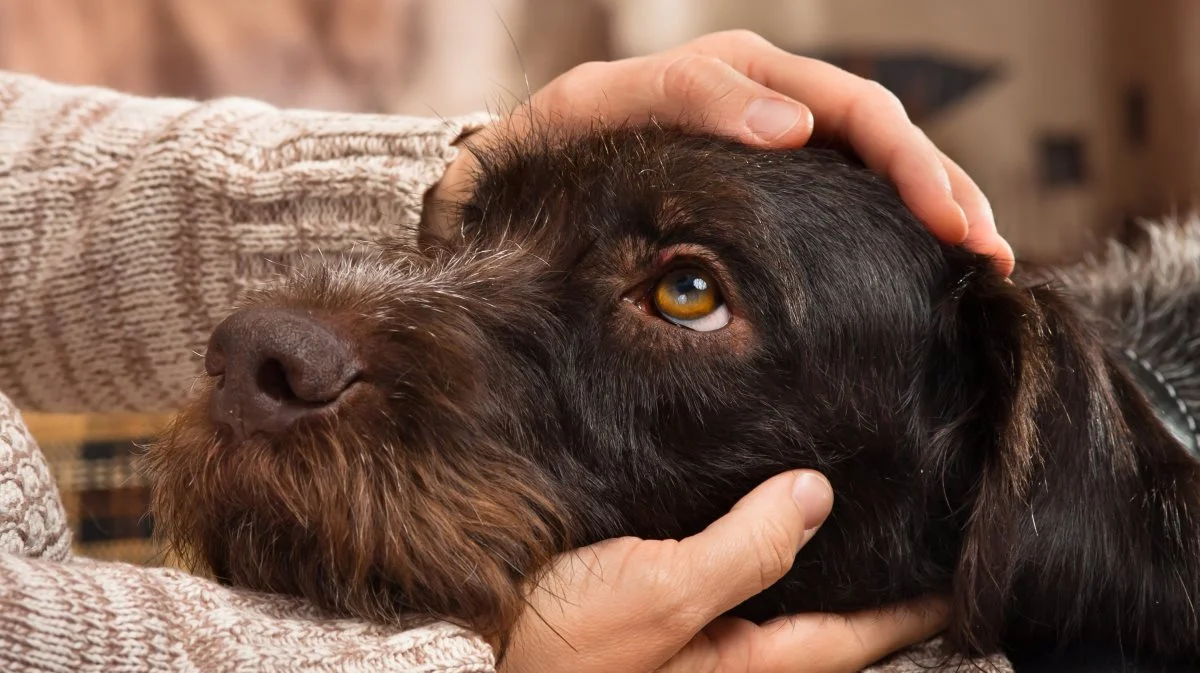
{"type": "Point", "coordinates": [128, 226]}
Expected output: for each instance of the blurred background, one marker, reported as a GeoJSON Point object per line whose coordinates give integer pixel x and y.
{"type": "Point", "coordinates": [1077, 117]}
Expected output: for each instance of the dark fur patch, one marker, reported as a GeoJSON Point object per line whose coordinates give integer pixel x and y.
{"type": "Point", "coordinates": [981, 436]}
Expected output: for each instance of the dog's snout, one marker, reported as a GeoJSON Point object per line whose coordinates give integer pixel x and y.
{"type": "Point", "coordinates": [276, 367]}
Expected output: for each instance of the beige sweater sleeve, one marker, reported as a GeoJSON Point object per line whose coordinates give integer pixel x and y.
{"type": "Point", "coordinates": [65, 614]}
{"type": "Point", "coordinates": [88, 616]}
{"type": "Point", "coordinates": [128, 225]}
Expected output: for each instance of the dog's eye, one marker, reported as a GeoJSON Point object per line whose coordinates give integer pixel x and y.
{"type": "Point", "coordinates": [690, 298]}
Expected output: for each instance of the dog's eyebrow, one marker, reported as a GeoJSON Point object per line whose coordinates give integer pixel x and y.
{"type": "Point", "coordinates": [681, 213]}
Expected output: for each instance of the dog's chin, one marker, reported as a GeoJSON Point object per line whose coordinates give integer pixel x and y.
{"type": "Point", "coordinates": [385, 532]}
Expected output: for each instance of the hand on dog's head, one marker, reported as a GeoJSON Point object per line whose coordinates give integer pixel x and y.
{"type": "Point", "coordinates": [628, 331]}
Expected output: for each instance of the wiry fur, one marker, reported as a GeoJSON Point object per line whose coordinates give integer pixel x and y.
{"type": "Point", "coordinates": [1150, 295]}
{"type": "Point", "coordinates": [984, 438]}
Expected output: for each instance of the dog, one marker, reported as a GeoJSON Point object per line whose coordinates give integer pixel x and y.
{"type": "Point", "coordinates": [629, 329]}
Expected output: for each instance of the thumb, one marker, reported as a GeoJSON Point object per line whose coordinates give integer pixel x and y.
{"type": "Point", "coordinates": [753, 546]}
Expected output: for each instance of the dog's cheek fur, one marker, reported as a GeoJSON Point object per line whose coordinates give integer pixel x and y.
{"type": "Point", "coordinates": [360, 528]}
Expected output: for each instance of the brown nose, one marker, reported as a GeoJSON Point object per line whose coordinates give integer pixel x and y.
{"type": "Point", "coordinates": [277, 366]}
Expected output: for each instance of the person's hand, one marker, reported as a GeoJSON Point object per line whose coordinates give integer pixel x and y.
{"type": "Point", "coordinates": [638, 606]}
{"type": "Point", "coordinates": [739, 85]}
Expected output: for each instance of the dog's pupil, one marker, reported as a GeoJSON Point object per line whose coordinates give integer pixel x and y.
{"type": "Point", "coordinates": [687, 286]}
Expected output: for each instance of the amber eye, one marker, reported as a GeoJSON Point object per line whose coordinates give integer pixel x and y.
{"type": "Point", "coordinates": [690, 298]}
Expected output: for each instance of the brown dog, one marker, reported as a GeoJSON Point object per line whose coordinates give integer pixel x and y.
{"type": "Point", "coordinates": [632, 329]}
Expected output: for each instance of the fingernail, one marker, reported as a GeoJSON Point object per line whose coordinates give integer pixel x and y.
{"type": "Point", "coordinates": [814, 495]}
{"type": "Point", "coordinates": [771, 118]}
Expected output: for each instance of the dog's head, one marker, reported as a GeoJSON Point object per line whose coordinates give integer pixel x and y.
{"type": "Point", "coordinates": [629, 331]}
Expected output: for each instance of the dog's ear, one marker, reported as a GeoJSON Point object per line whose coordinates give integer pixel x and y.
{"type": "Point", "coordinates": [1038, 423]}
{"type": "Point", "coordinates": [998, 334]}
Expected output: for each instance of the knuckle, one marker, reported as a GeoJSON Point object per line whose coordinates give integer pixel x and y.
{"type": "Point", "coordinates": [775, 552]}
{"type": "Point", "coordinates": [587, 70]}
{"type": "Point", "coordinates": [619, 547]}
{"type": "Point", "coordinates": [878, 96]}
{"type": "Point", "coordinates": [580, 79]}
{"type": "Point", "coordinates": [686, 76]}
{"type": "Point", "coordinates": [741, 38]}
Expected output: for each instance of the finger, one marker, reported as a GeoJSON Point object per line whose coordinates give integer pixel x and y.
{"type": "Point", "coordinates": [861, 112]}
{"type": "Point", "coordinates": [924, 184]}
{"type": "Point", "coordinates": [672, 88]}
{"type": "Point", "coordinates": [754, 545]}
{"type": "Point", "coordinates": [836, 643]}
{"type": "Point", "coordinates": [875, 124]}
{"type": "Point", "coordinates": [983, 237]}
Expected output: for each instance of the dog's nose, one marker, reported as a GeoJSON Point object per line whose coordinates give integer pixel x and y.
{"type": "Point", "coordinates": [276, 367]}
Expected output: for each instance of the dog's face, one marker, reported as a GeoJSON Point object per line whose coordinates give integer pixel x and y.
{"type": "Point", "coordinates": [628, 332]}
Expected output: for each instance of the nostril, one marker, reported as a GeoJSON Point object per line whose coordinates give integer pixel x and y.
{"type": "Point", "coordinates": [301, 383]}
{"type": "Point", "coordinates": [272, 380]}
{"type": "Point", "coordinates": [319, 378]}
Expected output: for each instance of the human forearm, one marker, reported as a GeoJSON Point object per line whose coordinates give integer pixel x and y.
{"type": "Point", "coordinates": [128, 225]}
